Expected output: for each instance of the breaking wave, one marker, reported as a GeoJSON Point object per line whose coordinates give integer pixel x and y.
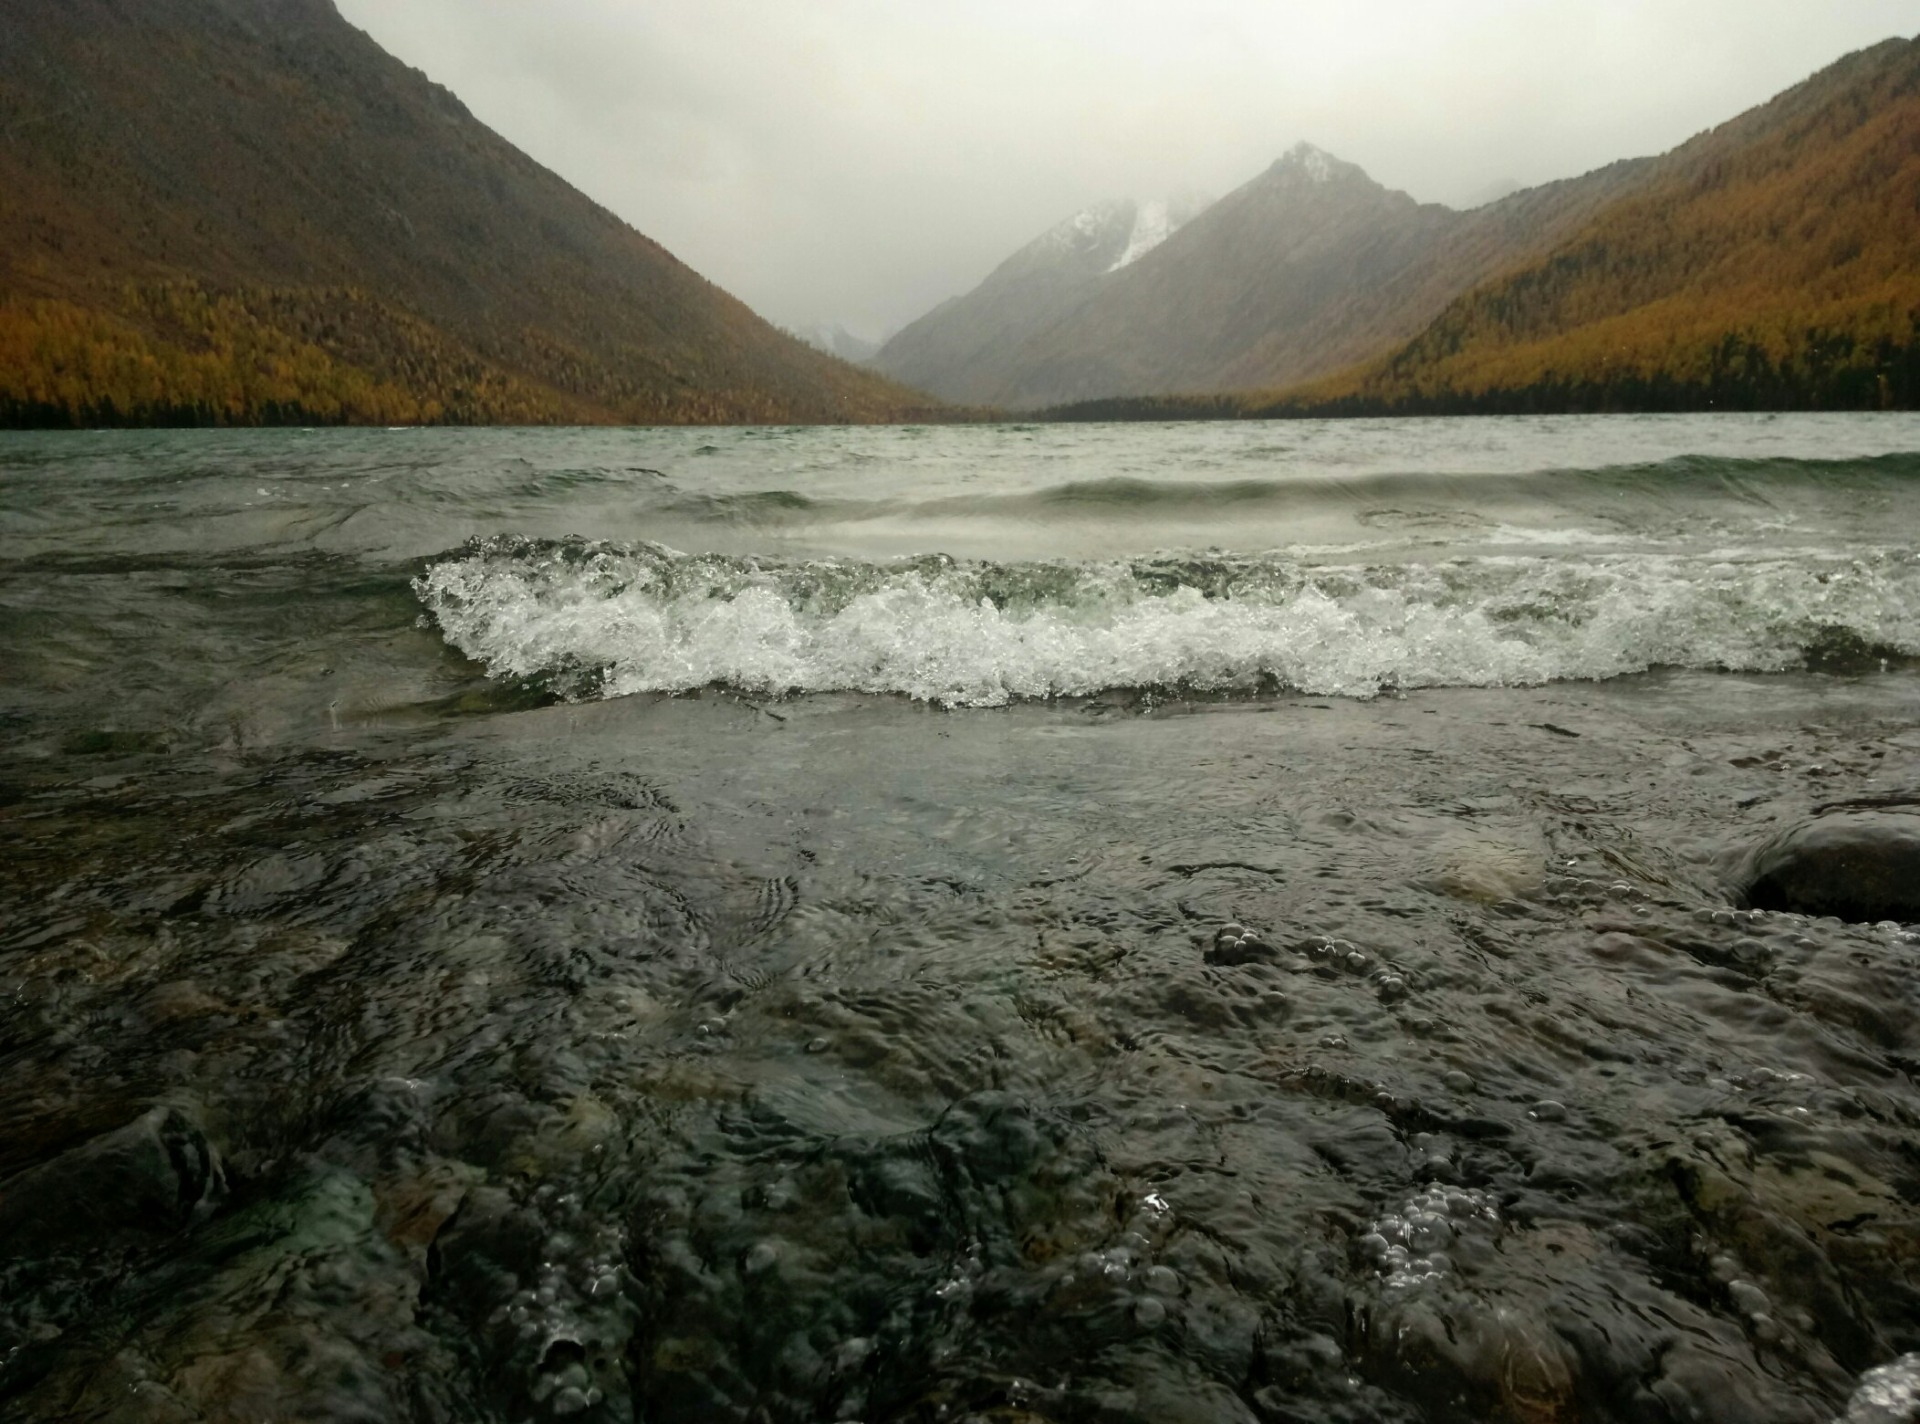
{"type": "Point", "coordinates": [590, 619]}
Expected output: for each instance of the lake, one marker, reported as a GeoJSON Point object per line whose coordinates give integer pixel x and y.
{"type": "Point", "coordinates": [1254, 921]}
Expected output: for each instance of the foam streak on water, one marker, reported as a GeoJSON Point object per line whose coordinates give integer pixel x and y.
{"type": "Point", "coordinates": [612, 619]}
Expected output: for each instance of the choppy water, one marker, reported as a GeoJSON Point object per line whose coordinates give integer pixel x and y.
{"type": "Point", "coordinates": [1225, 922]}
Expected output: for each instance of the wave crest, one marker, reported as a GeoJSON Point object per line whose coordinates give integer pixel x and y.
{"type": "Point", "coordinates": [605, 619]}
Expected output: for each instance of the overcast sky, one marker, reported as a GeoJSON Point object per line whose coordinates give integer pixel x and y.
{"type": "Point", "coordinates": [860, 160]}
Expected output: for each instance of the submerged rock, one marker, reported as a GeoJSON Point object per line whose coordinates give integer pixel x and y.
{"type": "Point", "coordinates": [1854, 865]}
{"type": "Point", "coordinates": [1484, 869]}
{"type": "Point", "coordinates": [1489, 1361]}
{"type": "Point", "coordinates": [155, 1175]}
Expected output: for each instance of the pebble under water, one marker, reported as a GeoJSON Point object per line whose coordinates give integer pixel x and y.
{"type": "Point", "coordinates": [384, 1041]}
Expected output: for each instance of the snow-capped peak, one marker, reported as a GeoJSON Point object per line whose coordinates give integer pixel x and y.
{"type": "Point", "coordinates": [1111, 235]}
{"type": "Point", "coordinates": [1316, 163]}
{"type": "Point", "coordinates": [1089, 227]}
{"type": "Point", "coordinates": [1153, 223]}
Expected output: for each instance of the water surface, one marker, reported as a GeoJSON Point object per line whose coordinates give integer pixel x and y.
{"type": "Point", "coordinates": [1230, 922]}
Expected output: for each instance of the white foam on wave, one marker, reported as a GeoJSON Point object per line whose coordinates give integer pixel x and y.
{"type": "Point", "coordinates": [612, 619]}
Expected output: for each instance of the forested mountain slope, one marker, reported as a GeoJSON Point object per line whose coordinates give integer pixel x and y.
{"type": "Point", "coordinates": [1774, 263]}
{"type": "Point", "coordinates": [244, 210]}
{"type": "Point", "coordinates": [1306, 269]}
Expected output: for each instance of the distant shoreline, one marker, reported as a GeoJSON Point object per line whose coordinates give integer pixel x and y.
{"type": "Point", "coordinates": [1149, 410]}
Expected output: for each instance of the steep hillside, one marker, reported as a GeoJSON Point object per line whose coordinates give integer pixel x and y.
{"type": "Point", "coordinates": [1773, 263]}
{"type": "Point", "coordinates": [1310, 267]}
{"type": "Point", "coordinates": [244, 210]}
{"type": "Point", "coordinates": [959, 350]}
{"type": "Point", "coordinates": [1264, 266]}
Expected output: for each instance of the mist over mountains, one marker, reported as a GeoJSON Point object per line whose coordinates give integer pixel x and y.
{"type": "Point", "coordinates": [836, 340]}
{"type": "Point", "coordinates": [1312, 269]}
{"type": "Point", "coordinates": [962, 348]}
{"type": "Point", "coordinates": [1306, 269]}
{"type": "Point", "coordinates": [245, 211]}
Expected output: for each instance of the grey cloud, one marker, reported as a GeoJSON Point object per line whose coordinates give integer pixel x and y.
{"type": "Point", "coordinates": [860, 160]}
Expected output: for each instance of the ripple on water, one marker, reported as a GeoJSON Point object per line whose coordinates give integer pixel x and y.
{"type": "Point", "coordinates": [1216, 1066]}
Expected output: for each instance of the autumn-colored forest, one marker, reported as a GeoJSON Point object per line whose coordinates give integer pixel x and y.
{"type": "Point", "coordinates": [1778, 271]}
{"type": "Point", "coordinates": [1773, 264]}
{"type": "Point", "coordinates": [244, 212]}
{"type": "Point", "coordinates": [174, 353]}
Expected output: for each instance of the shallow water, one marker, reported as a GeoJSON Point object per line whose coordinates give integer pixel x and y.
{"type": "Point", "coordinates": [1194, 923]}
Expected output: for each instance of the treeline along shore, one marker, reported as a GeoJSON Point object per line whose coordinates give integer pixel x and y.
{"type": "Point", "coordinates": [1839, 377]}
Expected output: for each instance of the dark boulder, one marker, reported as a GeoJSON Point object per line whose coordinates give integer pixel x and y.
{"type": "Point", "coordinates": [1854, 865]}
{"type": "Point", "coordinates": [154, 1176]}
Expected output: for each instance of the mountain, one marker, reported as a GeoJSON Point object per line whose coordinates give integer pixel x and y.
{"type": "Point", "coordinates": [244, 210]}
{"type": "Point", "coordinates": [961, 346]}
{"type": "Point", "coordinates": [836, 340]}
{"type": "Point", "coordinates": [1309, 268]}
{"type": "Point", "coordinates": [1771, 263]}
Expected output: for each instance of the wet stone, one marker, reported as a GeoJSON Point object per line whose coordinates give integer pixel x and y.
{"type": "Point", "coordinates": [1862, 866]}
{"type": "Point", "coordinates": [154, 1176]}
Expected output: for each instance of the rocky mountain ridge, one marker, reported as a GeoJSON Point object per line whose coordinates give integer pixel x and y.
{"type": "Point", "coordinates": [960, 345]}
{"type": "Point", "coordinates": [1306, 269]}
